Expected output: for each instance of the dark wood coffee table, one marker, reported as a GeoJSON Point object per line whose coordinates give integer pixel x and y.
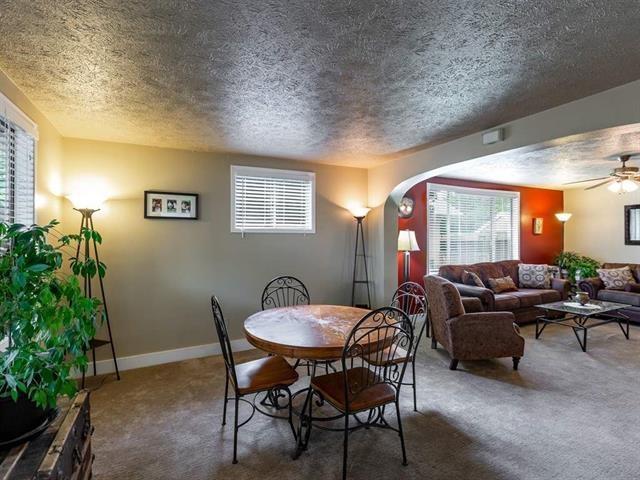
{"type": "Point", "coordinates": [582, 318]}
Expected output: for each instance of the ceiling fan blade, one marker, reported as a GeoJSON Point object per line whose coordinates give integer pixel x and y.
{"type": "Point", "coordinates": [583, 181]}
{"type": "Point", "coordinates": [598, 185]}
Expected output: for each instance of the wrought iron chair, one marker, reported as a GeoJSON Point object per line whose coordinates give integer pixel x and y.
{"type": "Point", "coordinates": [366, 386]}
{"type": "Point", "coordinates": [270, 374]}
{"type": "Point", "coordinates": [288, 291]}
{"type": "Point", "coordinates": [284, 291]}
{"type": "Point", "coordinates": [411, 299]}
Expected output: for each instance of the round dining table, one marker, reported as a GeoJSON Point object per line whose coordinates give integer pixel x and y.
{"type": "Point", "coordinates": [316, 333]}
{"type": "Point", "coordinates": [309, 332]}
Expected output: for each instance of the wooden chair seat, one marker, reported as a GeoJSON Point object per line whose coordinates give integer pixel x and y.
{"type": "Point", "coordinates": [264, 374]}
{"type": "Point", "coordinates": [332, 387]}
{"type": "Point", "coordinates": [389, 357]}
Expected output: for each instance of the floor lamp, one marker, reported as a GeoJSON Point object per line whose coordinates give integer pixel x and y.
{"type": "Point", "coordinates": [87, 209]}
{"type": "Point", "coordinates": [563, 217]}
{"type": "Point", "coordinates": [359, 214]}
{"type": "Point", "coordinates": [407, 243]}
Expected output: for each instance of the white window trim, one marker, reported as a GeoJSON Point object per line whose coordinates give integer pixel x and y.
{"type": "Point", "coordinates": [473, 191]}
{"type": "Point", "coordinates": [10, 111]}
{"type": "Point", "coordinates": [275, 173]}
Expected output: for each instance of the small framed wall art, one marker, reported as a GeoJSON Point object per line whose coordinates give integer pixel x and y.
{"type": "Point", "coordinates": [537, 226]}
{"type": "Point", "coordinates": [171, 205]}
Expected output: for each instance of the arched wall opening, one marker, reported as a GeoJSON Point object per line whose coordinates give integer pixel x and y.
{"type": "Point", "coordinates": [618, 107]}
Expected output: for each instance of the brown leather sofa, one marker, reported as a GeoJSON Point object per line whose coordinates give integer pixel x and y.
{"type": "Point", "coordinates": [596, 290]}
{"type": "Point", "coordinates": [521, 303]}
{"type": "Point", "coordinates": [469, 336]}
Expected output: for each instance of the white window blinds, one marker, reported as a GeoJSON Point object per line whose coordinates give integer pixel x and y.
{"type": "Point", "coordinates": [468, 225]}
{"type": "Point", "coordinates": [272, 201]}
{"type": "Point", "coordinates": [17, 152]}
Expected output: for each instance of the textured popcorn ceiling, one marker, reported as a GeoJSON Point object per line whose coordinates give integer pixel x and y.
{"type": "Point", "coordinates": [552, 164]}
{"type": "Point", "coordinates": [348, 82]}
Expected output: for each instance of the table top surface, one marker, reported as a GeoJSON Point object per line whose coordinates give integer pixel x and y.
{"type": "Point", "coordinates": [313, 332]}
{"type": "Point", "coordinates": [597, 307]}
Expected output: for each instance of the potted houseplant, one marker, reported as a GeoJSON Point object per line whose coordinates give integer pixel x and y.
{"type": "Point", "coordinates": [46, 323]}
{"type": "Point", "coordinates": [575, 266]}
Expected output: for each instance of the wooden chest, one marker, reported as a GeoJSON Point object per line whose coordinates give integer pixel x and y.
{"type": "Point", "coordinates": [61, 452]}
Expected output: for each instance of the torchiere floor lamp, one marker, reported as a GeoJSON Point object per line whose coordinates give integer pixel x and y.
{"type": "Point", "coordinates": [359, 213]}
{"type": "Point", "coordinates": [86, 224]}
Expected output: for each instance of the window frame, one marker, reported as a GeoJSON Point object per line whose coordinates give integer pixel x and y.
{"type": "Point", "coordinates": [274, 173]}
{"type": "Point", "coordinates": [475, 191]}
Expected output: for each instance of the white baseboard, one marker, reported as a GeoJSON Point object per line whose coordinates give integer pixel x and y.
{"type": "Point", "coordinates": [166, 356]}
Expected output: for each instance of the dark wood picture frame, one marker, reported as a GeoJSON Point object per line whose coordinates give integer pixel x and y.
{"type": "Point", "coordinates": [627, 225]}
{"type": "Point", "coordinates": [195, 198]}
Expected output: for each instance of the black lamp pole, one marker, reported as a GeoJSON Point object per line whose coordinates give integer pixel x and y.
{"type": "Point", "coordinates": [87, 223]}
{"type": "Point", "coordinates": [363, 255]}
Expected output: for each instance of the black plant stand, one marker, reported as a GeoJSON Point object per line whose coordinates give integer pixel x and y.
{"type": "Point", "coordinates": [363, 256]}
{"type": "Point", "coordinates": [87, 223]}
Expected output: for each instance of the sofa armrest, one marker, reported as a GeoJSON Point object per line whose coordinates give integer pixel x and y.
{"type": "Point", "coordinates": [484, 294]}
{"type": "Point", "coordinates": [473, 333]}
{"type": "Point", "coordinates": [561, 285]}
{"type": "Point", "coordinates": [472, 304]}
{"type": "Point", "coordinates": [592, 286]}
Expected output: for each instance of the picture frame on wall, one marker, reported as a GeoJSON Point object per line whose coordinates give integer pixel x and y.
{"type": "Point", "coordinates": [537, 226]}
{"type": "Point", "coordinates": [171, 205]}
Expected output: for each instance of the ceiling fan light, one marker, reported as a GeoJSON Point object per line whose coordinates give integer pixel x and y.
{"type": "Point", "coordinates": [628, 186]}
{"type": "Point", "coordinates": [615, 187]}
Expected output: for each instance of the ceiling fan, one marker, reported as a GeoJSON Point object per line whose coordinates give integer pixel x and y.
{"type": "Point", "coordinates": [623, 179]}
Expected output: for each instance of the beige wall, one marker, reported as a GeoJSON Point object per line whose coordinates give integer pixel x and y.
{"type": "Point", "coordinates": [162, 272]}
{"type": "Point", "coordinates": [48, 154]}
{"type": "Point", "coordinates": [596, 228]}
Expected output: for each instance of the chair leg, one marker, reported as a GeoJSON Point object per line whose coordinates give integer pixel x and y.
{"type": "Point", "coordinates": [226, 395]}
{"type": "Point", "coordinates": [415, 395]}
{"type": "Point", "coordinates": [516, 361]}
{"type": "Point", "coordinates": [404, 451]}
{"type": "Point", "coordinates": [454, 364]}
{"type": "Point", "coordinates": [434, 343]}
{"type": "Point", "coordinates": [235, 431]}
{"type": "Point", "coordinates": [427, 328]}
{"type": "Point", "coordinates": [345, 447]}
{"type": "Point", "coordinates": [295, 436]}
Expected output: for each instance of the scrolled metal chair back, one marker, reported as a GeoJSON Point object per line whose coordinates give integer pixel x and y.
{"type": "Point", "coordinates": [223, 338]}
{"type": "Point", "coordinates": [377, 336]}
{"type": "Point", "coordinates": [411, 298]}
{"type": "Point", "coordinates": [284, 291]}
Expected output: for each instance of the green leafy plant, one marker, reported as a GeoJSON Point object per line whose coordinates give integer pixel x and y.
{"type": "Point", "coordinates": [575, 263]}
{"type": "Point", "coordinates": [44, 315]}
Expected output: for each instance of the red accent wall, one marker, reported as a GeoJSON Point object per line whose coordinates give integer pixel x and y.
{"type": "Point", "coordinates": [534, 202]}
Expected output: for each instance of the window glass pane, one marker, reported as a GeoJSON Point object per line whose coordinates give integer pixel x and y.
{"type": "Point", "coordinates": [268, 200]}
{"type": "Point", "coordinates": [468, 225]}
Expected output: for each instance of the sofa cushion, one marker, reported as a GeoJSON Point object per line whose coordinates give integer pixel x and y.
{"type": "Point", "coordinates": [528, 297]}
{"type": "Point", "coordinates": [548, 296]}
{"type": "Point", "coordinates": [471, 278]}
{"type": "Point", "coordinates": [616, 278]}
{"type": "Point", "coordinates": [510, 268]}
{"type": "Point", "coordinates": [634, 267]}
{"type": "Point", "coordinates": [618, 296]}
{"type": "Point", "coordinates": [506, 302]}
{"type": "Point", "coordinates": [533, 276]}
{"type": "Point", "coordinates": [472, 305]}
{"type": "Point", "coordinates": [502, 284]}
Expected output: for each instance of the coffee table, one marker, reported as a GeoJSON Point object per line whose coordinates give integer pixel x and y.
{"type": "Point", "coordinates": [582, 318]}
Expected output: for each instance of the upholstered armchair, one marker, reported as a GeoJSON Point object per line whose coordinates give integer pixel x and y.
{"type": "Point", "coordinates": [469, 336]}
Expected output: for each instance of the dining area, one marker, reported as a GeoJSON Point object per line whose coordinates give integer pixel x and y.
{"type": "Point", "coordinates": [326, 368]}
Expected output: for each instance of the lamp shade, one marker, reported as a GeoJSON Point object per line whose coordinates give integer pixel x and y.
{"type": "Point", "coordinates": [407, 241]}
{"type": "Point", "coordinates": [563, 216]}
{"type": "Point", "coordinates": [359, 212]}
{"type": "Point", "coordinates": [623, 186]}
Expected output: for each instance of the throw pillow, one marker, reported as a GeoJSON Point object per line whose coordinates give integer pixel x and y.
{"type": "Point", "coordinates": [470, 278]}
{"type": "Point", "coordinates": [616, 278]}
{"type": "Point", "coordinates": [534, 276]}
{"type": "Point", "coordinates": [501, 285]}
{"type": "Point", "coordinates": [632, 287]}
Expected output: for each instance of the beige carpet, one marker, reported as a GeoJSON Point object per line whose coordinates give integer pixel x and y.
{"type": "Point", "coordinates": [565, 415]}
